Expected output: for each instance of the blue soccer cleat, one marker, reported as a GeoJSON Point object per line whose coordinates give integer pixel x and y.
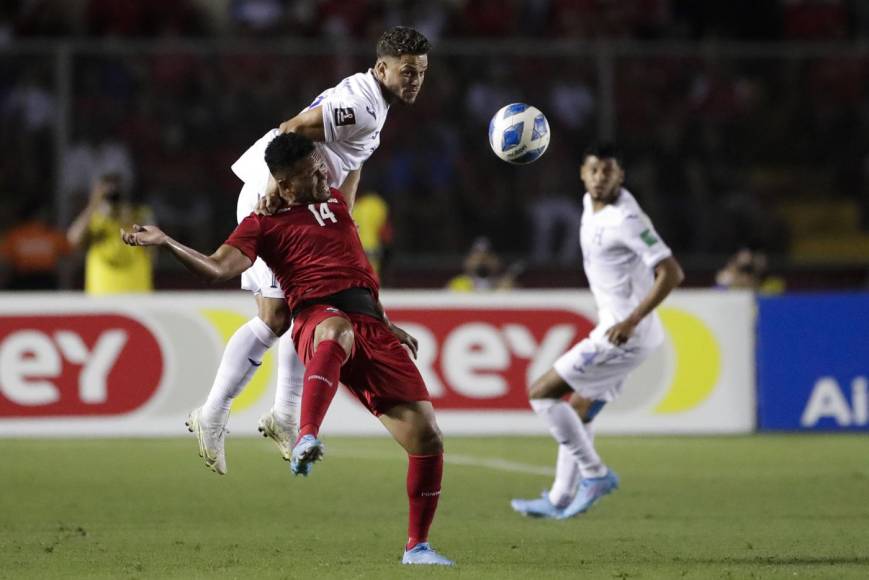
{"type": "Point", "coordinates": [589, 492]}
{"type": "Point", "coordinates": [537, 508]}
{"type": "Point", "coordinates": [308, 450]}
{"type": "Point", "coordinates": [423, 553]}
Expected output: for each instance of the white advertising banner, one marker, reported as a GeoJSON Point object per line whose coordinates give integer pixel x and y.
{"type": "Point", "coordinates": [72, 365]}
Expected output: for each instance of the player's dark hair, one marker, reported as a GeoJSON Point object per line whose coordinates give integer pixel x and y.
{"type": "Point", "coordinates": [400, 40]}
{"type": "Point", "coordinates": [603, 150]}
{"type": "Point", "coordinates": [286, 149]}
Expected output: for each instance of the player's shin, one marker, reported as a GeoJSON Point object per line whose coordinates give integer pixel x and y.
{"type": "Point", "coordinates": [567, 477]}
{"type": "Point", "coordinates": [320, 385]}
{"type": "Point", "coordinates": [241, 358]}
{"type": "Point", "coordinates": [424, 474]}
{"type": "Point", "coordinates": [290, 376]}
{"type": "Point", "coordinates": [568, 430]}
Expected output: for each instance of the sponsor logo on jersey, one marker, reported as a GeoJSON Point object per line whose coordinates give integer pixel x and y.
{"type": "Point", "coordinates": [344, 116]}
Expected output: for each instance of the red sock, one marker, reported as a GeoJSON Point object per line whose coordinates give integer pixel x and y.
{"type": "Point", "coordinates": [424, 473]}
{"type": "Point", "coordinates": [320, 385]}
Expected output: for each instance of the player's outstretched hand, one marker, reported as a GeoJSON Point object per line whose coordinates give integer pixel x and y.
{"type": "Point", "coordinates": [619, 333]}
{"type": "Point", "coordinates": [270, 202]}
{"type": "Point", "coordinates": [405, 338]}
{"type": "Point", "coordinates": [143, 236]}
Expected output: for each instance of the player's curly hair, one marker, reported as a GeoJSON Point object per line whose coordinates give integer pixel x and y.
{"type": "Point", "coordinates": [286, 149]}
{"type": "Point", "coordinates": [400, 40]}
{"type": "Point", "coordinates": [603, 150]}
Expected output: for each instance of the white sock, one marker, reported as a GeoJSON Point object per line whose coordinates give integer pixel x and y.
{"type": "Point", "coordinates": [241, 358]}
{"type": "Point", "coordinates": [567, 477]}
{"type": "Point", "coordinates": [567, 474]}
{"type": "Point", "coordinates": [291, 373]}
{"type": "Point", "coordinates": [568, 430]}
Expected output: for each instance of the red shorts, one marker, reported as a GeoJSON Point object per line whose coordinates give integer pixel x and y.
{"type": "Point", "coordinates": [380, 371]}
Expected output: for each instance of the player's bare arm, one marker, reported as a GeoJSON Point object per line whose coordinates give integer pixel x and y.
{"type": "Point", "coordinates": [349, 187]}
{"type": "Point", "coordinates": [226, 263]}
{"type": "Point", "coordinates": [308, 123]}
{"type": "Point", "coordinates": [668, 275]}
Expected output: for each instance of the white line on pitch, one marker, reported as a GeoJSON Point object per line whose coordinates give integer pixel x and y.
{"type": "Point", "coordinates": [454, 459]}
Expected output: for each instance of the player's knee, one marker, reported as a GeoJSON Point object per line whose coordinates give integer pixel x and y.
{"type": "Point", "coordinates": [430, 441]}
{"type": "Point", "coordinates": [338, 329]}
{"type": "Point", "coordinates": [277, 319]}
{"type": "Point", "coordinates": [538, 389]}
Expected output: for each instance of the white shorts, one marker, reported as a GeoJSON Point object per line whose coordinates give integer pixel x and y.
{"type": "Point", "coordinates": [596, 369]}
{"type": "Point", "coordinates": [259, 278]}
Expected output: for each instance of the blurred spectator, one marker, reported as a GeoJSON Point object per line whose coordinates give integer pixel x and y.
{"type": "Point", "coordinates": [371, 214]}
{"type": "Point", "coordinates": [257, 16]}
{"type": "Point", "coordinates": [95, 155]}
{"type": "Point", "coordinates": [555, 216]}
{"type": "Point", "coordinates": [748, 270]}
{"type": "Point", "coordinates": [484, 271]}
{"type": "Point", "coordinates": [112, 267]}
{"type": "Point", "coordinates": [31, 250]}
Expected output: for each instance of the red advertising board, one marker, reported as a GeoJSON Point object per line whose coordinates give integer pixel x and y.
{"type": "Point", "coordinates": [76, 365]}
{"type": "Point", "coordinates": [479, 359]}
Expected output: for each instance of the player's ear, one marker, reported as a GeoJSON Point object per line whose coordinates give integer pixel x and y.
{"type": "Point", "coordinates": [380, 68]}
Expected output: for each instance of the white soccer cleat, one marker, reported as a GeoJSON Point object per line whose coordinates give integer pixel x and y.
{"type": "Point", "coordinates": [284, 434]}
{"type": "Point", "coordinates": [424, 554]}
{"type": "Point", "coordinates": [211, 440]}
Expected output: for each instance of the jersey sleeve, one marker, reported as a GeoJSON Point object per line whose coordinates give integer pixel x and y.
{"type": "Point", "coordinates": [347, 118]}
{"type": "Point", "coordinates": [639, 235]}
{"type": "Point", "coordinates": [336, 193]}
{"type": "Point", "coordinates": [251, 166]}
{"type": "Point", "coordinates": [246, 237]}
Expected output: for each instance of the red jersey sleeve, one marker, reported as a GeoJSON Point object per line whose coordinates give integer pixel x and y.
{"type": "Point", "coordinates": [246, 236]}
{"type": "Point", "coordinates": [336, 193]}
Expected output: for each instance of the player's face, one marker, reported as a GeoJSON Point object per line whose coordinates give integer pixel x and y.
{"type": "Point", "coordinates": [403, 76]}
{"type": "Point", "coordinates": [308, 181]}
{"type": "Point", "coordinates": [602, 178]}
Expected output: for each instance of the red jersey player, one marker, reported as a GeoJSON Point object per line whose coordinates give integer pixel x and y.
{"type": "Point", "coordinates": [339, 327]}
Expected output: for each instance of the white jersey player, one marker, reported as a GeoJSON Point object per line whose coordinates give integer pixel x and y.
{"type": "Point", "coordinates": [630, 271]}
{"type": "Point", "coordinates": [345, 121]}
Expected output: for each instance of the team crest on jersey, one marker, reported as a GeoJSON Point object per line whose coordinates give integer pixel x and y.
{"type": "Point", "coordinates": [344, 116]}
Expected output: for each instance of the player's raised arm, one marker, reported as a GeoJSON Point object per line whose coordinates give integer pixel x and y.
{"type": "Point", "coordinates": [227, 262]}
{"type": "Point", "coordinates": [308, 123]}
{"type": "Point", "coordinates": [349, 186]}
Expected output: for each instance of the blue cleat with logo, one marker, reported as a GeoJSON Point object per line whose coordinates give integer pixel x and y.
{"type": "Point", "coordinates": [537, 508]}
{"type": "Point", "coordinates": [308, 450]}
{"type": "Point", "coordinates": [589, 492]}
{"type": "Point", "coordinates": [424, 554]}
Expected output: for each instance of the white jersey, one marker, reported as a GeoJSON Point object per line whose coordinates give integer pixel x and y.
{"type": "Point", "coordinates": [354, 112]}
{"type": "Point", "coordinates": [620, 249]}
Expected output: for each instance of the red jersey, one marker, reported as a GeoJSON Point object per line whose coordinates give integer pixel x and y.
{"type": "Point", "coordinates": [314, 250]}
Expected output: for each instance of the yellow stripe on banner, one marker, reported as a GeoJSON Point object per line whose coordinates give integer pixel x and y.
{"type": "Point", "coordinates": [698, 361]}
{"type": "Point", "coordinates": [226, 322]}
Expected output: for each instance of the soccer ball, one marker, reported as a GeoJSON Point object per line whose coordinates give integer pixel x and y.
{"type": "Point", "coordinates": [519, 133]}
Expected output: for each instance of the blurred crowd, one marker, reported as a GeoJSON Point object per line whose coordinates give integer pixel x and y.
{"type": "Point", "coordinates": [586, 19]}
{"type": "Point", "coordinates": [724, 150]}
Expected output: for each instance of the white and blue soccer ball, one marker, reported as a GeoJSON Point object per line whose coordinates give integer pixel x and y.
{"type": "Point", "coordinates": [519, 133]}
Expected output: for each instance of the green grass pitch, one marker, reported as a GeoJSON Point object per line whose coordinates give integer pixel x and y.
{"type": "Point", "coordinates": [729, 507]}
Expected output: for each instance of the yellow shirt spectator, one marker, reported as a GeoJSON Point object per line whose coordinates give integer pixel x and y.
{"type": "Point", "coordinates": [112, 267]}
{"type": "Point", "coordinates": [371, 214]}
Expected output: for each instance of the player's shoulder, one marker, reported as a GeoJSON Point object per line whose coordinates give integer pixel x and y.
{"type": "Point", "coordinates": [627, 208]}
{"type": "Point", "coordinates": [337, 196]}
